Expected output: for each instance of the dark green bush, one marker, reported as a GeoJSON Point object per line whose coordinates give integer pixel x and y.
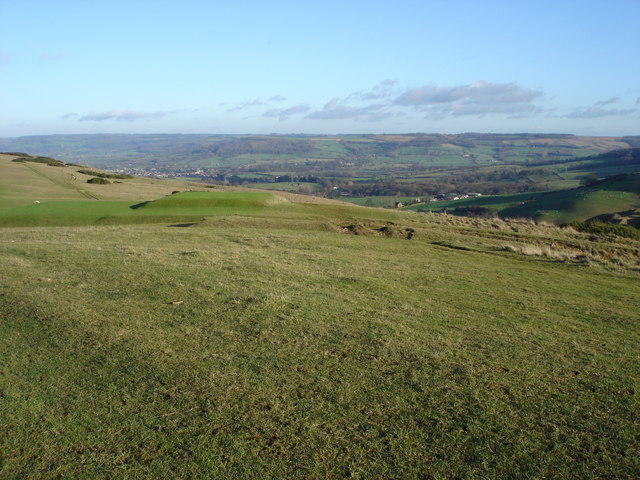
{"type": "Point", "coordinates": [98, 180]}
{"type": "Point", "coordinates": [86, 171]}
{"type": "Point", "coordinates": [602, 228]}
{"type": "Point", "coordinates": [46, 160]}
{"type": "Point", "coordinates": [17, 154]}
{"type": "Point", "coordinates": [103, 175]}
{"type": "Point", "coordinates": [474, 211]}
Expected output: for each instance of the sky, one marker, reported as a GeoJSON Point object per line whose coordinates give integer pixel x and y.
{"type": "Point", "coordinates": [313, 67]}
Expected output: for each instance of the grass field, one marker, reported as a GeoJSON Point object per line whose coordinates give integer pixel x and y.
{"type": "Point", "coordinates": [22, 184]}
{"type": "Point", "coordinates": [304, 187]}
{"type": "Point", "coordinates": [559, 207]}
{"type": "Point", "coordinates": [379, 201]}
{"type": "Point", "coordinates": [265, 340]}
{"type": "Point", "coordinates": [187, 206]}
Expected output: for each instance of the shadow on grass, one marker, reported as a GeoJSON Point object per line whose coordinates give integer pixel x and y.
{"type": "Point", "coordinates": [182, 225]}
{"type": "Point", "coordinates": [138, 205]}
{"type": "Point", "coordinates": [454, 247]}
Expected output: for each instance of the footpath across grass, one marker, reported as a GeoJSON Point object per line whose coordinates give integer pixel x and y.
{"type": "Point", "coordinates": [278, 345]}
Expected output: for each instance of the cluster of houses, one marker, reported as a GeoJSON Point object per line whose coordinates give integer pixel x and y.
{"type": "Point", "coordinates": [166, 172]}
{"type": "Point", "coordinates": [455, 196]}
{"type": "Point", "coordinates": [439, 198]}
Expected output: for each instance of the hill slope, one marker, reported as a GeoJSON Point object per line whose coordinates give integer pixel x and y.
{"type": "Point", "coordinates": [218, 150]}
{"type": "Point", "coordinates": [610, 195]}
{"type": "Point", "coordinates": [299, 340]}
{"type": "Point", "coordinates": [620, 192]}
{"type": "Point", "coordinates": [22, 183]}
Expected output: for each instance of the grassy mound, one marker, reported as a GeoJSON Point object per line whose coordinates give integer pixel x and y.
{"type": "Point", "coordinates": [199, 200]}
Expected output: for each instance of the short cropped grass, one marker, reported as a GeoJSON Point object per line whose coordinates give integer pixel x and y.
{"type": "Point", "coordinates": [186, 206]}
{"type": "Point", "coordinates": [270, 345]}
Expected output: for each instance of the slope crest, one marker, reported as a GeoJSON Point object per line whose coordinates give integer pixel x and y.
{"type": "Point", "coordinates": [213, 200]}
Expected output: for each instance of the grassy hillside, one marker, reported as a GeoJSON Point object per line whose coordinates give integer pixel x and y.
{"type": "Point", "coordinates": [560, 207]}
{"type": "Point", "coordinates": [579, 204]}
{"type": "Point", "coordinates": [278, 339]}
{"type": "Point", "coordinates": [23, 183]}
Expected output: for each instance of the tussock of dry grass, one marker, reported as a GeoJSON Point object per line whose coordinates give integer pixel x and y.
{"type": "Point", "coordinates": [537, 239]}
{"type": "Point", "coordinates": [545, 251]}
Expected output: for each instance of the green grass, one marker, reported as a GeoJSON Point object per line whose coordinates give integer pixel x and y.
{"type": "Point", "coordinates": [567, 206]}
{"type": "Point", "coordinates": [239, 335]}
{"type": "Point", "coordinates": [203, 200]}
{"type": "Point", "coordinates": [303, 187]}
{"type": "Point", "coordinates": [496, 202]}
{"type": "Point", "coordinates": [301, 352]}
{"type": "Point", "coordinates": [186, 206]}
{"type": "Point", "coordinates": [560, 207]}
{"type": "Point", "coordinates": [378, 201]}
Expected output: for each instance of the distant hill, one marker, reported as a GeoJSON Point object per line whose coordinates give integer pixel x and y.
{"type": "Point", "coordinates": [620, 192]}
{"type": "Point", "coordinates": [612, 194]}
{"type": "Point", "coordinates": [218, 151]}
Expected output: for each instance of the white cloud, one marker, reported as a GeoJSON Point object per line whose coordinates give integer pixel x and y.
{"type": "Point", "coordinates": [124, 116]}
{"type": "Point", "coordinates": [478, 98]}
{"type": "Point", "coordinates": [599, 112]}
{"type": "Point", "coordinates": [248, 104]}
{"type": "Point", "coordinates": [336, 110]}
{"type": "Point", "coordinates": [380, 91]}
{"type": "Point", "coordinates": [358, 106]}
{"type": "Point", "coordinates": [285, 113]}
{"type": "Point", "coordinates": [604, 103]}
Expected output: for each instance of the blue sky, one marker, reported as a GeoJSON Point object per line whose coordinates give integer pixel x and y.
{"type": "Point", "coordinates": [319, 67]}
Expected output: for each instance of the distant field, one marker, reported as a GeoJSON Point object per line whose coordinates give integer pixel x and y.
{"type": "Point", "coordinates": [379, 201]}
{"type": "Point", "coordinates": [495, 202]}
{"type": "Point", "coordinates": [305, 187]}
{"type": "Point", "coordinates": [236, 150]}
{"type": "Point", "coordinates": [563, 206]}
{"type": "Point", "coordinates": [574, 205]}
